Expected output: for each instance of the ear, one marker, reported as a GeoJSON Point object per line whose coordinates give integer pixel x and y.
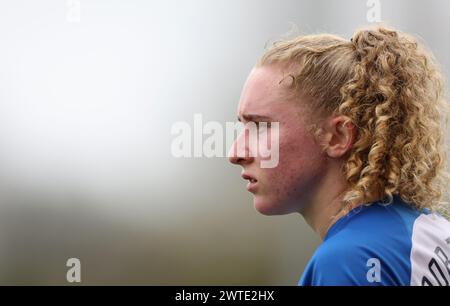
{"type": "Point", "coordinates": [340, 134]}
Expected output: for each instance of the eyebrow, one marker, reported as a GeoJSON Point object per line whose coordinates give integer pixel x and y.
{"type": "Point", "coordinates": [252, 117]}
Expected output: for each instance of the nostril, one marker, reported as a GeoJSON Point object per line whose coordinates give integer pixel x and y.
{"type": "Point", "coordinates": [237, 156]}
{"type": "Point", "coordinates": [235, 160]}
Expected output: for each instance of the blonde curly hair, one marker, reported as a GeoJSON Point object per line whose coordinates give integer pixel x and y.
{"type": "Point", "coordinates": [390, 88]}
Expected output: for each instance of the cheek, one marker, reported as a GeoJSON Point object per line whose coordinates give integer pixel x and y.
{"type": "Point", "coordinates": [298, 153]}
{"type": "Point", "coordinates": [301, 164]}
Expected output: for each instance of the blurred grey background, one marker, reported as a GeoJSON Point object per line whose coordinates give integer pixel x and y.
{"type": "Point", "coordinates": [89, 91]}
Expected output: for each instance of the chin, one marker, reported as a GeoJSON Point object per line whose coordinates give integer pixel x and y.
{"type": "Point", "coordinates": [268, 208]}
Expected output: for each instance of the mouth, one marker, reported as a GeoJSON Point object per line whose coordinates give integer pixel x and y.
{"type": "Point", "coordinates": [252, 182]}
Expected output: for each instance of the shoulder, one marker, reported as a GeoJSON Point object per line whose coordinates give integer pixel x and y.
{"type": "Point", "coordinates": [430, 253]}
{"type": "Point", "coordinates": [370, 246]}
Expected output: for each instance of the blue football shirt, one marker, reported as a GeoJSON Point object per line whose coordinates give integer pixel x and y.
{"type": "Point", "coordinates": [381, 244]}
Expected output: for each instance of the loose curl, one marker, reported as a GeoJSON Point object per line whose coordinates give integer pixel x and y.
{"type": "Point", "coordinates": [391, 89]}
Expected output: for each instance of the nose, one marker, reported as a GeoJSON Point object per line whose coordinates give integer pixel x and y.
{"type": "Point", "coordinates": [240, 153]}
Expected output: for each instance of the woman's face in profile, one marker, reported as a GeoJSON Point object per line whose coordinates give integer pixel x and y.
{"type": "Point", "coordinates": [286, 187]}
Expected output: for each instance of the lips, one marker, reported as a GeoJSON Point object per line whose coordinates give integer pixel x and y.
{"type": "Point", "coordinates": [248, 177]}
{"type": "Point", "coordinates": [252, 182]}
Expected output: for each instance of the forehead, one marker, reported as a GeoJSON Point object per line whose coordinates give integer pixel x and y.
{"type": "Point", "coordinates": [262, 93]}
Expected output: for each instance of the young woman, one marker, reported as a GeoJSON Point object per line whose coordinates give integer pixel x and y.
{"type": "Point", "coordinates": [360, 154]}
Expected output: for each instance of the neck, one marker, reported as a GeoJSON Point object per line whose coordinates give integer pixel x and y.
{"type": "Point", "coordinates": [325, 207]}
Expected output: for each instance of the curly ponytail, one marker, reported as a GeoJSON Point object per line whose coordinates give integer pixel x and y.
{"type": "Point", "coordinates": [392, 91]}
